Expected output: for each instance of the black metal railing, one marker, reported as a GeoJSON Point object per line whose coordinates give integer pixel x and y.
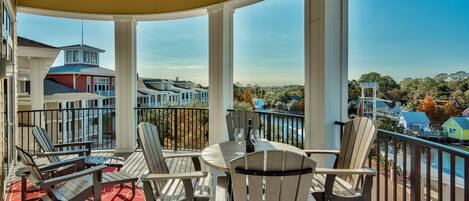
{"type": "Point", "coordinates": [281, 127]}
{"type": "Point", "coordinates": [179, 128]}
{"type": "Point", "coordinates": [411, 168]}
{"type": "Point", "coordinates": [68, 125]}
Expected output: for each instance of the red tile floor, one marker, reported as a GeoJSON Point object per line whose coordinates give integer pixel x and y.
{"type": "Point", "coordinates": [109, 193]}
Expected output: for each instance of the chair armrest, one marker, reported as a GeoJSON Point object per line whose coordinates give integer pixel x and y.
{"type": "Point", "coordinates": [194, 156]}
{"type": "Point", "coordinates": [68, 177]}
{"type": "Point", "coordinates": [62, 153]}
{"type": "Point", "coordinates": [72, 161]}
{"type": "Point", "coordinates": [333, 171]}
{"type": "Point", "coordinates": [71, 144]}
{"type": "Point", "coordinates": [87, 144]}
{"type": "Point", "coordinates": [314, 151]}
{"type": "Point", "coordinates": [185, 175]}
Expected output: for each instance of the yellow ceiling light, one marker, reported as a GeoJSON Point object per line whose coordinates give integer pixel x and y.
{"type": "Point", "coordinates": [116, 7]}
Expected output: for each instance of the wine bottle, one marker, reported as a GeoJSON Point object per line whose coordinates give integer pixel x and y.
{"type": "Point", "coordinates": [249, 144]}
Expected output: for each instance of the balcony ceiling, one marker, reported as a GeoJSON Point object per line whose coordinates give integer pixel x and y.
{"type": "Point", "coordinates": [117, 7]}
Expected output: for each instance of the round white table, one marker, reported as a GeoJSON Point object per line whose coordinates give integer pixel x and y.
{"type": "Point", "coordinates": [218, 156]}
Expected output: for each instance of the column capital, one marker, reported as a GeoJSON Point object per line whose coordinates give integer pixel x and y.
{"type": "Point", "coordinates": [216, 8]}
{"type": "Point", "coordinates": [124, 18]}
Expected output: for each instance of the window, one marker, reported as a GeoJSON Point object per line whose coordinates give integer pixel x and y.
{"type": "Point", "coordinates": [6, 23]}
{"type": "Point", "coordinates": [75, 55]}
{"type": "Point", "coordinates": [86, 56]}
{"type": "Point", "coordinates": [94, 58]}
{"type": "Point", "coordinates": [68, 56]}
{"type": "Point", "coordinates": [452, 131]}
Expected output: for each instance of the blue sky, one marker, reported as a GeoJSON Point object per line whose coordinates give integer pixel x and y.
{"type": "Point", "coordinates": [400, 38]}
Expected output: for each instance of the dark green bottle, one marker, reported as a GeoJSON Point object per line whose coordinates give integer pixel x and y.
{"type": "Point", "coordinates": [249, 144]}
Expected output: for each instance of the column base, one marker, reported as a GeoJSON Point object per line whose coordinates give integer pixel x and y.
{"type": "Point", "coordinates": [124, 150]}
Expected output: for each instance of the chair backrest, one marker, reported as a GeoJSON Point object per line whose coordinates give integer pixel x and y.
{"type": "Point", "coordinates": [274, 175]}
{"type": "Point", "coordinates": [239, 119]}
{"type": "Point", "coordinates": [150, 143]}
{"type": "Point", "coordinates": [28, 161]}
{"type": "Point", "coordinates": [44, 141]}
{"type": "Point", "coordinates": [357, 139]}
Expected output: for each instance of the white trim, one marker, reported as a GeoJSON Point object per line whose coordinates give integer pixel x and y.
{"type": "Point", "coordinates": [138, 17]}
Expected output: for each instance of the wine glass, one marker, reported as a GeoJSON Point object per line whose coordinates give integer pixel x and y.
{"type": "Point", "coordinates": [239, 138]}
{"type": "Point", "coordinates": [239, 135]}
{"type": "Point", "coordinates": [255, 136]}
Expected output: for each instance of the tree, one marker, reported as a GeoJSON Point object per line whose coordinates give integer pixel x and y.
{"type": "Point", "coordinates": [459, 76]}
{"type": "Point", "coordinates": [237, 105]}
{"type": "Point", "coordinates": [428, 105]}
{"type": "Point", "coordinates": [442, 77]}
{"type": "Point", "coordinates": [450, 110]}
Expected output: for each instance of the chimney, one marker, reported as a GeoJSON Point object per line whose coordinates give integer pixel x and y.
{"type": "Point", "coordinates": [177, 78]}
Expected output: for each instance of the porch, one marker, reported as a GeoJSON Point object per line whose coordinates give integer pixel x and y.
{"type": "Point", "coordinates": [402, 176]}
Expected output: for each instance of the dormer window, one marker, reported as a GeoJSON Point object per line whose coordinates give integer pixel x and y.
{"type": "Point", "coordinates": [68, 56]}
{"type": "Point", "coordinates": [94, 58]}
{"type": "Point", "coordinates": [71, 56]}
{"type": "Point", "coordinates": [86, 56]}
{"type": "Point", "coordinates": [75, 55]}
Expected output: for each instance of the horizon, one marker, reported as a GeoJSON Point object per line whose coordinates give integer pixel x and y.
{"type": "Point", "coordinates": [267, 55]}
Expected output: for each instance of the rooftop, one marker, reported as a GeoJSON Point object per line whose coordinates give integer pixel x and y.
{"type": "Point", "coordinates": [415, 117]}
{"type": "Point", "coordinates": [77, 46]}
{"type": "Point", "coordinates": [81, 69]}
{"type": "Point", "coordinates": [25, 42]}
{"type": "Point", "coordinates": [463, 122]}
{"type": "Point", "coordinates": [54, 91]}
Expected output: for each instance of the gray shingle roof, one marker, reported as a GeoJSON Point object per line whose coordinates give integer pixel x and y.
{"type": "Point", "coordinates": [25, 42]}
{"type": "Point", "coordinates": [54, 91]}
{"type": "Point", "coordinates": [81, 69]}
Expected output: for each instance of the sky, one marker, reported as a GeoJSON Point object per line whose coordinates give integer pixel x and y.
{"type": "Point", "coordinates": [399, 38]}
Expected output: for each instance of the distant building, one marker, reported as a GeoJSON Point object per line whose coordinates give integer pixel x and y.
{"type": "Point", "coordinates": [457, 127]}
{"type": "Point", "coordinates": [396, 110]}
{"type": "Point", "coordinates": [81, 72]}
{"type": "Point", "coordinates": [414, 121]}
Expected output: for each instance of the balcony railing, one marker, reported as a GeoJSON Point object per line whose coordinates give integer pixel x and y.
{"type": "Point", "coordinates": [68, 125]}
{"type": "Point", "coordinates": [179, 128]}
{"type": "Point", "coordinates": [281, 127]}
{"type": "Point", "coordinates": [409, 168]}
{"type": "Point", "coordinates": [416, 169]}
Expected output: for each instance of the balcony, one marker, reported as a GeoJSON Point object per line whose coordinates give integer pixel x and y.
{"type": "Point", "coordinates": [408, 167]}
{"type": "Point", "coordinates": [402, 161]}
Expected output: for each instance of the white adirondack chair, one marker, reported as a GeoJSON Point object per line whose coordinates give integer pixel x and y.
{"type": "Point", "coordinates": [350, 179]}
{"type": "Point", "coordinates": [239, 119]}
{"type": "Point", "coordinates": [168, 186]}
{"type": "Point", "coordinates": [274, 175]}
{"type": "Point", "coordinates": [78, 186]}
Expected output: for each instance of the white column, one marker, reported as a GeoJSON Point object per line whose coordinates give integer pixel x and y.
{"type": "Point", "coordinates": [126, 78]}
{"type": "Point", "coordinates": [220, 70]}
{"type": "Point", "coordinates": [325, 73]}
{"type": "Point", "coordinates": [37, 84]}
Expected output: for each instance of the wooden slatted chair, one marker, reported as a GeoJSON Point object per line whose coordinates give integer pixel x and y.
{"type": "Point", "coordinates": [53, 151]}
{"type": "Point", "coordinates": [239, 119]}
{"type": "Point", "coordinates": [76, 186]}
{"type": "Point", "coordinates": [274, 175]}
{"type": "Point", "coordinates": [50, 151]}
{"type": "Point", "coordinates": [169, 186]}
{"type": "Point", "coordinates": [349, 179]}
